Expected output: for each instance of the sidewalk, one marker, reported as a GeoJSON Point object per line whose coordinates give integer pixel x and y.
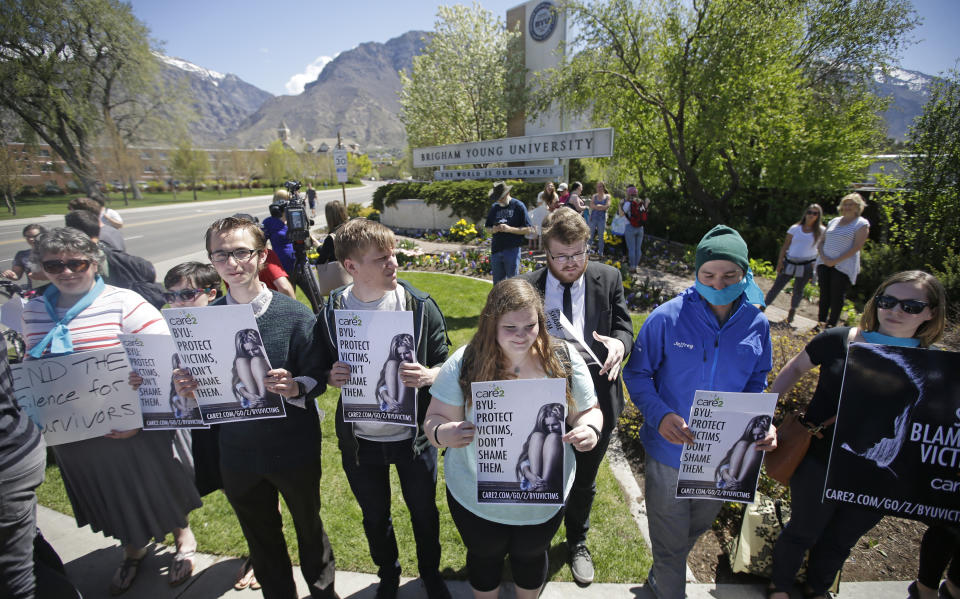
{"type": "Point", "coordinates": [91, 559]}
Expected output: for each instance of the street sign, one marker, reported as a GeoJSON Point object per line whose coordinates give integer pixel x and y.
{"type": "Point", "coordinates": [340, 163]}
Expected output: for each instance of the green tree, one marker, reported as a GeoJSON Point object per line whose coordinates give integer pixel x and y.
{"type": "Point", "coordinates": [466, 81]}
{"type": "Point", "coordinates": [280, 163]}
{"type": "Point", "coordinates": [359, 165]}
{"type": "Point", "coordinates": [717, 96]}
{"type": "Point", "coordinates": [189, 164]}
{"type": "Point", "coordinates": [66, 66]}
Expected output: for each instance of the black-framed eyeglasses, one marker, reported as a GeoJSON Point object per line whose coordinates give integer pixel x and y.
{"type": "Point", "coordinates": [184, 295]}
{"type": "Point", "coordinates": [910, 306]}
{"type": "Point", "coordinates": [564, 258]}
{"type": "Point", "coordinates": [239, 254]}
{"type": "Point", "coordinates": [55, 267]}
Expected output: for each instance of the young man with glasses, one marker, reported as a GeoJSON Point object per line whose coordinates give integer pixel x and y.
{"type": "Point", "coordinates": [263, 458]}
{"type": "Point", "coordinates": [590, 295]}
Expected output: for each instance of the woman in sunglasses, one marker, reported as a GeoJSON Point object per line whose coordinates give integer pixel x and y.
{"type": "Point", "coordinates": [907, 310]}
{"type": "Point", "coordinates": [131, 485]}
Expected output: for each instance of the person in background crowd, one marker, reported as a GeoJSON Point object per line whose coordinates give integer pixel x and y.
{"type": "Point", "coordinates": [564, 194]}
{"type": "Point", "coordinates": [636, 211]}
{"type": "Point", "coordinates": [797, 257]}
{"type": "Point", "coordinates": [366, 250]}
{"type": "Point", "coordinates": [598, 310]}
{"type": "Point", "coordinates": [312, 201]}
{"type": "Point", "coordinates": [709, 337]}
{"type": "Point", "coordinates": [599, 204]}
{"type": "Point", "coordinates": [508, 222]}
{"type": "Point", "coordinates": [262, 459]}
{"type": "Point", "coordinates": [575, 201]}
{"type": "Point", "coordinates": [108, 234]}
{"type": "Point", "coordinates": [906, 310]}
{"type": "Point", "coordinates": [548, 197]}
{"type": "Point", "coordinates": [336, 215]}
{"type": "Point", "coordinates": [939, 547]}
{"type": "Point", "coordinates": [511, 342]}
{"type": "Point", "coordinates": [839, 257]}
{"type": "Point", "coordinates": [21, 259]}
{"type": "Point", "coordinates": [131, 485]}
{"type": "Point", "coordinates": [275, 228]}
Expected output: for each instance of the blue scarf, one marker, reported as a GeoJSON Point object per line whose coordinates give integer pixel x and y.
{"type": "Point", "coordinates": [722, 297]}
{"type": "Point", "coordinates": [881, 339]}
{"type": "Point", "coordinates": [58, 337]}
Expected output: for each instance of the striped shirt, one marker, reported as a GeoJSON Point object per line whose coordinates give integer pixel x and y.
{"type": "Point", "coordinates": [113, 312]}
{"type": "Point", "coordinates": [838, 239]}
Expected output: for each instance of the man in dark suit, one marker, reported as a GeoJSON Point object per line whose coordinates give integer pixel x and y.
{"type": "Point", "coordinates": [590, 296]}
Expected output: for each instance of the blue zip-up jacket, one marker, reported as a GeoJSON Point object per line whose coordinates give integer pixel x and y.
{"type": "Point", "coordinates": [682, 348]}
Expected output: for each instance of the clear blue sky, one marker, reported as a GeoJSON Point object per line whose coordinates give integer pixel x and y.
{"type": "Point", "coordinates": [278, 45]}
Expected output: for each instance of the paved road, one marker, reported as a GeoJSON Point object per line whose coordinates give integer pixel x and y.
{"type": "Point", "coordinates": [163, 234]}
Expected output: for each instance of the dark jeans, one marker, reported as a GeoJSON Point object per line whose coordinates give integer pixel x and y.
{"type": "Point", "coordinates": [828, 530]}
{"type": "Point", "coordinates": [488, 543]}
{"type": "Point", "coordinates": [939, 547]}
{"type": "Point", "coordinates": [833, 290]}
{"type": "Point", "coordinates": [580, 501]}
{"type": "Point", "coordinates": [798, 285]}
{"type": "Point", "coordinates": [254, 499]}
{"type": "Point", "coordinates": [370, 482]}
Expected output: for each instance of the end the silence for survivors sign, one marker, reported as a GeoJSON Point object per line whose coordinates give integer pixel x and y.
{"type": "Point", "coordinates": [724, 463]}
{"type": "Point", "coordinates": [520, 455]}
{"type": "Point", "coordinates": [375, 344]}
{"type": "Point", "coordinates": [78, 396]}
{"type": "Point", "coordinates": [222, 348]}
{"type": "Point", "coordinates": [154, 358]}
{"type": "Point", "coordinates": [896, 443]}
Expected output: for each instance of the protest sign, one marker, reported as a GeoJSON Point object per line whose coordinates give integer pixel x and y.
{"type": "Point", "coordinates": [560, 327]}
{"type": "Point", "coordinates": [78, 396]}
{"type": "Point", "coordinates": [154, 358]}
{"type": "Point", "coordinates": [375, 344]}
{"type": "Point", "coordinates": [723, 462]}
{"type": "Point", "coordinates": [520, 457]}
{"type": "Point", "coordinates": [222, 348]}
{"type": "Point", "coordinates": [896, 442]}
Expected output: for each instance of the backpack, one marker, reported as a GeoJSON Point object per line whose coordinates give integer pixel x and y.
{"type": "Point", "coordinates": [638, 214]}
{"type": "Point", "coordinates": [134, 273]}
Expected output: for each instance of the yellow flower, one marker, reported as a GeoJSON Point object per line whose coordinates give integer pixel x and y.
{"type": "Point", "coordinates": [617, 264]}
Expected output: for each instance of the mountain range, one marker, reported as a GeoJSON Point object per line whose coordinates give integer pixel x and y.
{"type": "Point", "coordinates": [356, 94]}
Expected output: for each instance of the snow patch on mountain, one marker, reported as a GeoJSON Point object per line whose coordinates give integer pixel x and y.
{"type": "Point", "coordinates": [188, 66]}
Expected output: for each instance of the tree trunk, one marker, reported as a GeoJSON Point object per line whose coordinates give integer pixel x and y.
{"type": "Point", "coordinates": [11, 201]}
{"type": "Point", "coordinates": [194, 190]}
{"type": "Point", "coordinates": [137, 195]}
{"type": "Point", "coordinates": [126, 202]}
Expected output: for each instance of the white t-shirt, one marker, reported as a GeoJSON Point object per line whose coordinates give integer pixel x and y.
{"type": "Point", "coordinates": [803, 246]}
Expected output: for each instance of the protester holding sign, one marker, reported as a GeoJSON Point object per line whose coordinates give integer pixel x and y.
{"type": "Point", "coordinates": [511, 342]}
{"type": "Point", "coordinates": [260, 459]}
{"type": "Point", "coordinates": [132, 485]}
{"type": "Point", "coordinates": [711, 337]}
{"type": "Point", "coordinates": [369, 446]}
{"type": "Point", "coordinates": [906, 310]}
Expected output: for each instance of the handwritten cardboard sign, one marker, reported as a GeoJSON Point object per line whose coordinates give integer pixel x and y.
{"type": "Point", "coordinates": [723, 463]}
{"type": "Point", "coordinates": [375, 343]}
{"type": "Point", "coordinates": [78, 396]}
{"type": "Point", "coordinates": [154, 357]}
{"type": "Point", "coordinates": [222, 348]}
{"type": "Point", "coordinates": [520, 457]}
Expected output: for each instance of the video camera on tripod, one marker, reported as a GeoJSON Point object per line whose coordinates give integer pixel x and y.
{"type": "Point", "coordinates": [298, 224]}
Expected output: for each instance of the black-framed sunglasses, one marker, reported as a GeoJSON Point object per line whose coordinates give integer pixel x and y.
{"type": "Point", "coordinates": [888, 302]}
{"type": "Point", "coordinates": [184, 295]}
{"type": "Point", "coordinates": [55, 267]}
{"type": "Point", "coordinates": [240, 255]}
{"type": "Point", "coordinates": [813, 212]}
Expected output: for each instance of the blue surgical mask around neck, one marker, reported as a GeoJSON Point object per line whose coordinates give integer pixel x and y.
{"type": "Point", "coordinates": [881, 339]}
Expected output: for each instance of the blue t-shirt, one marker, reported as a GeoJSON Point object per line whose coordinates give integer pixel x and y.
{"type": "Point", "coordinates": [513, 214]}
{"type": "Point", "coordinates": [460, 463]}
{"type": "Point", "coordinates": [276, 232]}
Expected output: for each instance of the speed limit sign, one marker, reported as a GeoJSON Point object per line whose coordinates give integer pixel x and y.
{"type": "Point", "coordinates": [340, 163]}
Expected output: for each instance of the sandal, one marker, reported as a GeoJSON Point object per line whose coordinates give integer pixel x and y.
{"type": "Point", "coordinates": [246, 577]}
{"type": "Point", "coordinates": [125, 575]}
{"type": "Point", "coordinates": [181, 568]}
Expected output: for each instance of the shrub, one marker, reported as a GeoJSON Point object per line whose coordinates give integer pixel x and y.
{"type": "Point", "coordinates": [360, 211]}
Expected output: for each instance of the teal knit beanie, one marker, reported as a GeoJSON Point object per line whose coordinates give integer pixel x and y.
{"type": "Point", "coordinates": [722, 243]}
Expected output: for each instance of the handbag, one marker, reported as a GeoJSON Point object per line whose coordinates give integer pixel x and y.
{"type": "Point", "coordinates": [619, 224]}
{"type": "Point", "coordinates": [793, 441]}
{"type": "Point", "coordinates": [331, 275]}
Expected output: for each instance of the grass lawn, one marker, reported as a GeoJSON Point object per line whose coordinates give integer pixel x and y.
{"type": "Point", "coordinates": [618, 549]}
{"type": "Point", "coordinates": [44, 205]}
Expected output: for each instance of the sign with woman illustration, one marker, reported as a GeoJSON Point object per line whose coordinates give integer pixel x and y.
{"type": "Point", "coordinates": [723, 463]}
{"type": "Point", "coordinates": [896, 447]}
{"type": "Point", "coordinates": [222, 348]}
{"type": "Point", "coordinates": [520, 453]}
{"type": "Point", "coordinates": [375, 343]}
{"type": "Point", "coordinates": [154, 358]}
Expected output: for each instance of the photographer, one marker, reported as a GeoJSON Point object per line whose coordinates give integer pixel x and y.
{"type": "Point", "coordinates": [275, 228]}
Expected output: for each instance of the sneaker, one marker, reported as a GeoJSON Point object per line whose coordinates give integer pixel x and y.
{"type": "Point", "coordinates": [581, 564]}
{"type": "Point", "coordinates": [387, 589]}
{"type": "Point", "coordinates": [435, 586]}
{"type": "Point", "coordinates": [790, 315]}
